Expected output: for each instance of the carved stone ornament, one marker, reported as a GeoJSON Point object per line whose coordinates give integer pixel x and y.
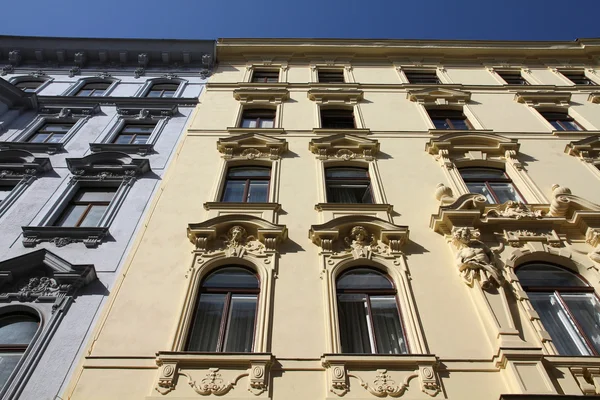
{"type": "Point", "coordinates": [514, 209]}
{"type": "Point", "coordinates": [473, 146]}
{"type": "Point", "coordinates": [103, 75]}
{"type": "Point", "coordinates": [475, 261]}
{"type": "Point", "coordinates": [37, 74]}
{"type": "Point", "coordinates": [7, 69]}
{"type": "Point", "coordinates": [439, 96]}
{"type": "Point", "coordinates": [518, 237]}
{"type": "Point", "coordinates": [237, 241]}
{"type": "Point", "coordinates": [139, 72]}
{"type": "Point", "coordinates": [588, 379]}
{"type": "Point", "coordinates": [361, 243]}
{"type": "Point", "coordinates": [252, 146]}
{"type": "Point", "coordinates": [74, 71]}
{"type": "Point", "coordinates": [592, 237]}
{"type": "Point", "coordinates": [344, 147]}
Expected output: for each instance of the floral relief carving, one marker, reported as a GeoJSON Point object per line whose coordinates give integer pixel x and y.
{"type": "Point", "coordinates": [475, 260]}
{"type": "Point", "coordinates": [514, 209]}
{"type": "Point", "coordinates": [212, 383]}
{"type": "Point", "coordinates": [517, 238]}
{"type": "Point", "coordinates": [383, 385]}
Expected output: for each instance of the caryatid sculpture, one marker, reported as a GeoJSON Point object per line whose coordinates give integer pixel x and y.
{"type": "Point", "coordinates": [474, 259]}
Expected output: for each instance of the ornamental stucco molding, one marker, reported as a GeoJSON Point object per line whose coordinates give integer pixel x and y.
{"type": "Point", "coordinates": [252, 146]}
{"type": "Point", "coordinates": [439, 96]}
{"type": "Point", "coordinates": [254, 95]}
{"type": "Point", "coordinates": [544, 98]}
{"type": "Point", "coordinates": [344, 147]}
{"type": "Point", "coordinates": [345, 95]}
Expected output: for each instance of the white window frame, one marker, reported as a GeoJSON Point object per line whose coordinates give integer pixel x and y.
{"type": "Point", "coordinates": [73, 90]}
{"type": "Point", "coordinates": [250, 67]}
{"type": "Point", "coordinates": [44, 79]}
{"type": "Point", "coordinates": [143, 91]}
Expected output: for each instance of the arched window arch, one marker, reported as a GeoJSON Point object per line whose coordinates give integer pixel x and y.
{"type": "Point", "coordinates": [368, 313]}
{"type": "Point", "coordinates": [92, 87]}
{"type": "Point", "coordinates": [493, 183]}
{"type": "Point", "coordinates": [567, 306]}
{"type": "Point", "coordinates": [30, 84]}
{"type": "Point", "coordinates": [162, 87]}
{"type": "Point", "coordinates": [17, 330]}
{"type": "Point", "coordinates": [226, 308]}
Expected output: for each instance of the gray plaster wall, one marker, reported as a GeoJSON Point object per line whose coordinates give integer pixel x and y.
{"type": "Point", "coordinates": [50, 375]}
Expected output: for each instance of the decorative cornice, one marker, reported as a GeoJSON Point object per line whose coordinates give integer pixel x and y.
{"type": "Point", "coordinates": [252, 146]}
{"type": "Point", "coordinates": [439, 96]}
{"type": "Point", "coordinates": [122, 102]}
{"type": "Point", "coordinates": [62, 236]}
{"type": "Point", "coordinates": [344, 147]}
{"type": "Point", "coordinates": [587, 149]}
{"type": "Point", "coordinates": [221, 205]}
{"type": "Point", "coordinates": [141, 112]}
{"type": "Point", "coordinates": [335, 96]}
{"type": "Point", "coordinates": [594, 98]}
{"type": "Point", "coordinates": [142, 149]}
{"type": "Point", "coordinates": [261, 95]}
{"type": "Point", "coordinates": [108, 165]}
{"type": "Point", "coordinates": [466, 141]}
{"type": "Point", "coordinates": [261, 131]}
{"type": "Point", "coordinates": [19, 164]}
{"type": "Point", "coordinates": [544, 98]}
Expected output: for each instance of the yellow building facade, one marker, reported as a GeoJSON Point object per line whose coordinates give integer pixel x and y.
{"type": "Point", "coordinates": [365, 219]}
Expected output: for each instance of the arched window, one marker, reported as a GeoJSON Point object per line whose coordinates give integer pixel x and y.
{"type": "Point", "coordinates": [348, 185]}
{"type": "Point", "coordinates": [247, 185]}
{"type": "Point", "coordinates": [368, 313]}
{"type": "Point", "coordinates": [492, 183]}
{"type": "Point", "coordinates": [16, 332]}
{"type": "Point", "coordinates": [225, 312]}
{"type": "Point", "coordinates": [567, 306]}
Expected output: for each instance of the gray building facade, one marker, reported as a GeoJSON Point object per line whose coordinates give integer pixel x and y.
{"type": "Point", "coordinates": [87, 129]}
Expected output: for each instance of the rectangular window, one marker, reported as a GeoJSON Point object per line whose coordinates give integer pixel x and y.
{"type": "Point", "coordinates": [134, 134]}
{"type": "Point", "coordinates": [93, 89]}
{"type": "Point", "coordinates": [87, 207]}
{"type": "Point", "coordinates": [337, 118]}
{"type": "Point", "coordinates": [265, 76]}
{"type": "Point", "coordinates": [422, 77]}
{"type": "Point", "coordinates": [50, 133]}
{"type": "Point", "coordinates": [578, 77]}
{"type": "Point", "coordinates": [348, 185]}
{"type": "Point", "coordinates": [258, 118]}
{"type": "Point", "coordinates": [163, 90]}
{"type": "Point", "coordinates": [513, 77]}
{"type": "Point", "coordinates": [562, 121]}
{"type": "Point", "coordinates": [330, 76]}
{"type": "Point", "coordinates": [449, 119]}
{"type": "Point", "coordinates": [247, 185]}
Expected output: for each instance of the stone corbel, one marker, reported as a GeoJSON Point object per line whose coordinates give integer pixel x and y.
{"type": "Point", "coordinates": [588, 379]}
{"type": "Point", "coordinates": [544, 98]}
{"type": "Point", "coordinates": [511, 157]}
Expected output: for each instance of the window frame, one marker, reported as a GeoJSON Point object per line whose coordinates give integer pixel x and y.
{"type": "Point", "coordinates": [89, 205]}
{"type": "Point", "coordinates": [261, 70]}
{"type": "Point", "coordinates": [486, 181]}
{"type": "Point", "coordinates": [556, 290]}
{"type": "Point", "coordinates": [331, 71]}
{"type": "Point", "coordinates": [368, 293]}
{"type": "Point", "coordinates": [147, 86]}
{"type": "Point", "coordinates": [113, 130]}
{"type": "Point", "coordinates": [501, 74]}
{"type": "Point", "coordinates": [327, 109]}
{"type": "Point", "coordinates": [433, 72]}
{"type": "Point", "coordinates": [45, 81]}
{"type": "Point", "coordinates": [75, 88]}
{"type": "Point", "coordinates": [565, 74]}
{"type": "Point", "coordinates": [247, 180]}
{"type": "Point", "coordinates": [229, 291]}
{"type": "Point", "coordinates": [567, 117]}
{"type": "Point", "coordinates": [369, 186]}
{"type": "Point", "coordinates": [448, 121]}
{"type": "Point", "coordinates": [257, 110]}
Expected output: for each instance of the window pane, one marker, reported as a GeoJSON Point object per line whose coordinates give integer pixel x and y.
{"type": "Point", "coordinates": [154, 93]}
{"type": "Point", "coordinates": [141, 139]}
{"type": "Point", "coordinates": [123, 139]}
{"type": "Point", "coordinates": [17, 329]}
{"type": "Point", "coordinates": [266, 123]}
{"type": "Point", "coordinates": [145, 129]}
{"type": "Point", "coordinates": [346, 173]}
{"type": "Point", "coordinates": [355, 332]}
{"type": "Point", "coordinates": [386, 324]}
{"type": "Point", "coordinates": [8, 362]}
{"type": "Point", "coordinates": [84, 92]}
{"type": "Point", "coordinates": [558, 324]}
{"type": "Point", "coordinates": [440, 123]}
{"type": "Point", "coordinates": [348, 193]}
{"type": "Point", "coordinates": [95, 195]}
{"type": "Point", "coordinates": [234, 191]}
{"type": "Point", "coordinates": [56, 138]}
{"type": "Point", "coordinates": [545, 275]}
{"type": "Point", "coordinates": [168, 93]}
{"type": "Point", "coordinates": [586, 311]}
{"type": "Point", "coordinates": [240, 327]}
{"type": "Point", "coordinates": [505, 192]}
{"type": "Point", "coordinates": [56, 127]}
{"type": "Point", "coordinates": [248, 171]}
{"type": "Point", "coordinates": [207, 323]}
{"type": "Point", "coordinates": [71, 215]}
{"type": "Point", "coordinates": [482, 189]}
{"type": "Point", "coordinates": [231, 278]}
{"type": "Point", "coordinates": [460, 124]}
{"type": "Point", "coordinates": [482, 173]}
{"type": "Point", "coordinates": [258, 192]}
{"type": "Point", "coordinates": [571, 126]}
{"type": "Point", "coordinates": [38, 138]}
{"type": "Point", "coordinates": [363, 278]}
{"type": "Point", "coordinates": [249, 123]}
{"type": "Point", "coordinates": [93, 216]}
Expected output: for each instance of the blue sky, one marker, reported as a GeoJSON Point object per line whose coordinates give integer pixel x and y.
{"type": "Point", "coordinates": [400, 19]}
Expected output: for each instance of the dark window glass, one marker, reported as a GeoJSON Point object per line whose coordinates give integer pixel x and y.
{"type": "Point", "coordinates": [265, 76]}
{"type": "Point", "coordinates": [334, 118]}
{"type": "Point", "coordinates": [369, 318]}
{"type": "Point", "coordinates": [513, 77]}
{"type": "Point", "coordinates": [134, 134]}
{"type": "Point", "coordinates": [95, 89]}
{"type": "Point", "coordinates": [29, 86]}
{"type": "Point", "coordinates": [493, 184]}
{"type": "Point", "coordinates": [163, 90]}
{"type": "Point", "coordinates": [258, 118]}
{"type": "Point", "coordinates": [567, 306]}
{"type": "Point", "coordinates": [87, 207]}
{"type": "Point", "coordinates": [578, 78]}
{"type": "Point", "coordinates": [449, 119]}
{"type": "Point", "coordinates": [561, 121]}
{"type": "Point", "coordinates": [16, 333]}
{"type": "Point", "coordinates": [226, 312]}
{"type": "Point", "coordinates": [331, 76]}
{"type": "Point", "coordinates": [422, 77]}
{"type": "Point", "coordinates": [50, 133]}
{"type": "Point", "coordinates": [247, 184]}
{"type": "Point", "coordinates": [348, 185]}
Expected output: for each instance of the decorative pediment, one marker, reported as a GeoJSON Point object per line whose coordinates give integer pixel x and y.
{"type": "Point", "coordinates": [108, 165]}
{"type": "Point", "coordinates": [439, 96]}
{"type": "Point", "coordinates": [544, 98]}
{"type": "Point", "coordinates": [19, 164]}
{"type": "Point", "coordinates": [359, 235]}
{"type": "Point", "coordinates": [261, 95]}
{"type": "Point", "coordinates": [146, 112]}
{"type": "Point", "coordinates": [236, 234]}
{"type": "Point", "coordinates": [565, 213]}
{"type": "Point", "coordinates": [41, 276]}
{"type": "Point", "coordinates": [335, 95]}
{"type": "Point", "coordinates": [587, 149]}
{"type": "Point", "coordinates": [344, 147]}
{"type": "Point", "coordinates": [472, 145]}
{"type": "Point", "coordinates": [252, 145]}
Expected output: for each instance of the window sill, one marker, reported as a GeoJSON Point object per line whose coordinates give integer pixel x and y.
{"type": "Point", "coordinates": [262, 131]}
{"type": "Point", "coordinates": [332, 131]}
{"type": "Point", "coordinates": [50, 148]}
{"type": "Point", "coordinates": [439, 132]}
{"type": "Point", "coordinates": [576, 133]}
{"type": "Point", "coordinates": [62, 236]}
{"type": "Point", "coordinates": [141, 149]}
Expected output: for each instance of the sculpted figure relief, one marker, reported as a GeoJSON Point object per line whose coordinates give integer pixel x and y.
{"type": "Point", "coordinates": [516, 210]}
{"type": "Point", "coordinates": [474, 259]}
{"type": "Point", "coordinates": [237, 242]}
